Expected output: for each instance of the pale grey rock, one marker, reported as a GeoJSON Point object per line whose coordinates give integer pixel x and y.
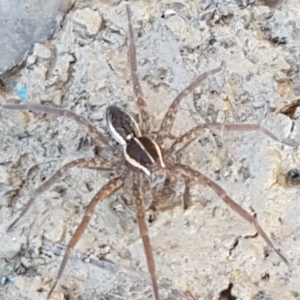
{"type": "Point", "coordinates": [87, 22]}
{"type": "Point", "coordinates": [202, 251]}
{"type": "Point", "coordinates": [23, 23]}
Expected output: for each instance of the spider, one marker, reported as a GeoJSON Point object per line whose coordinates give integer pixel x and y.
{"type": "Point", "coordinates": [143, 159]}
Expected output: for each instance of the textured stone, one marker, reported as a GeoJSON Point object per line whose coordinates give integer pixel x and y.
{"type": "Point", "coordinates": [24, 23]}
{"type": "Point", "coordinates": [204, 250]}
{"type": "Point", "coordinates": [87, 22]}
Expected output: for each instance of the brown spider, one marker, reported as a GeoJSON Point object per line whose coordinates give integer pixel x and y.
{"type": "Point", "coordinates": [143, 159]}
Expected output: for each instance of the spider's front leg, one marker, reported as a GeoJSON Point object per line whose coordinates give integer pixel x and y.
{"type": "Point", "coordinates": [188, 137]}
{"type": "Point", "coordinates": [140, 214]}
{"type": "Point", "coordinates": [88, 163]}
{"type": "Point", "coordinates": [110, 188]}
{"type": "Point", "coordinates": [197, 176]}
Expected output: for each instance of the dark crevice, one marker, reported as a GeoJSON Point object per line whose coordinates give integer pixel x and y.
{"type": "Point", "coordinates": [290, 109]}
{"type": "Point", "coordinates": [265, 277]}
{"type": "Point", "coordinates": [226, 294]}
{"type": "Point", "coordinates": [292, 177]}
{"type": "Point", "coordinates": [236, 242]}
{"type": "Point", "coordinates": [251, 236]}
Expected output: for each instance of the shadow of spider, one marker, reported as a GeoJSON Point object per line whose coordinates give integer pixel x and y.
{"type": "Point", "coordinates": [143, 160]}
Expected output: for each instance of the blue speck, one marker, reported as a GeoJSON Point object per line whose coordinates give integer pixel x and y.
{"type": "Point", "coordinates": [7, 279]}
{"type": "Point", "coordinates": [22, 92]}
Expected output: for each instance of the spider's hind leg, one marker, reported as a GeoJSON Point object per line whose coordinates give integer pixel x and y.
{"type": "Point", "coordinates": [141, 220]}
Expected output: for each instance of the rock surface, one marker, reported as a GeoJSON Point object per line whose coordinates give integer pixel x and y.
{"type": "Point", "coordinates": [24, 23]}
{"type": "Point", "coordinates": [205, 251]}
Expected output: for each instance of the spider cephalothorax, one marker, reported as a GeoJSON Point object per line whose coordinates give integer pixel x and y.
{"type": "Point", "coordinates": [143, 157]}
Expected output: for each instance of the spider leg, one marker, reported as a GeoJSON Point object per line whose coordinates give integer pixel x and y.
{"type": "Point", "coordinates": [197, 176]}
{"type": "Point", "coordinates": [89, 163]}
{"type": "Point", "coordinates": [188, 137]}
{"type": "Point", "coordinates": [169, 117]}
{"type": "Point", "coordinates": [134, 76]}
{"type": "Point", "coordinates": [140, 214]}
{"type": "Point", "coordinates": [99, 138]}
{"type": "Point", "coordinates": [107, 190]}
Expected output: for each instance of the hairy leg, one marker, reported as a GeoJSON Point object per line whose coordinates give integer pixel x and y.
{"type": "Point", "coordinates": [188, 137]}
{"type": "Point", "coordinates": [140, 214]}
{"type": "Point", "coordinates": [197, 176]}
{"type": "Point", "coordinates": [169, 117]}
{"type": "Point", "coordinates": [99, 138]}
{"type": "Point", "coordinates": [134, 76]}
{"type": "Point", "coordinates": [89, 163]}
{"type": "Point", "coordinates": [111, 187]}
